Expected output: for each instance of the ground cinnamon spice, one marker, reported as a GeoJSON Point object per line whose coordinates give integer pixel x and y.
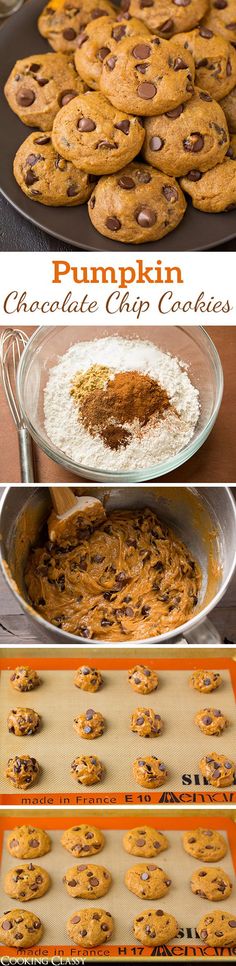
{"type": "Point", "coordinates": [108, 405]}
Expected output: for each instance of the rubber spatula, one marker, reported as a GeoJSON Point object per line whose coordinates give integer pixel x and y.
{"type": "Point", "coordinates": [72, 516]}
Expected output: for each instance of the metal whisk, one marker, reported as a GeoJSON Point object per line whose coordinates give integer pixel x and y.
{"type": "Point", "coordinates": [12, 344]}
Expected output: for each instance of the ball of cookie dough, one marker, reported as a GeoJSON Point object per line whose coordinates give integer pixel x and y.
{"type": "Point", "coordinates": [46, 177]}
{"type": "Point", "coordinates": [89, 724]}
{"type": "Point", "coordinates": [229, 107]}
{"type": "Point", "coordinates": [147, 881]}
{"type": "Point", "coordinates": [146, 723]}
{"type": "Point", "coordinates": [24, 678]}
{"type": "Point", "coordinates": [87, 770]}
{"type": "Point", "coordinates": [90, 927]}
{"type": "Point", "coordinates": [39, 85]}
{"type": "Point", "coordinates": [218, 769]}
{"type": "Point", "coordinates": [215, 61]}
{"type": "Point", "coordinates": [87, 881]}
{"type": "Point", "coordinates": [88, 678]}
{"type": "Point", "coordinates": [167, 17]}
{"type": "Point", "coordinates": [215, 190]}
{"type": "Point", "coordinates": [212, 884]}
{"type": "Point", "coordinates": [171, 145]}
{"type": "Point", "coordinates": [220, 18]}
{"type": "Point", "coordinates": [22, 771]}
{"type": "Point", "coordinates": [27, 842]}
{"type": "Point", "coordinates": [97, 41]}
{"type": "Point", "coordinates": [18, 927]}
{"type": "Point", "coordinates": [205, 680]}
{"type": "Point", "coordinates": [145, 841]}
{"type": "Point", "coordinates": [23, 721]}
{"type": "Point", "coordinates": [83, 840]}
{"type": "Point", "coordinates": [204, 843]}
{"type": "Point", "coordinates": [61, 23]}
{"type": "Point", "coordinates": [26, 882]}
{"type": "Point", "coordinates": [143, 679]}
{"type": "Point", "coordinates": [147, 76]}
{"type": "Point", "coordinates": [149, 771]}
{"type": "Point", "coordinates": [94, 135]}
{"type": "Point", "coordinates": [155, 927]}
{"type": "Point", "coordinates": [217, 928]}
{"type": "Point", "coordinates": [138, 204]}
{"type": "Point", "coordinates": [211, 721]}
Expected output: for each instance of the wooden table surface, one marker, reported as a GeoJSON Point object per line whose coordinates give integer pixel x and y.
{"type": "Point", "coordinates": [215, 462]}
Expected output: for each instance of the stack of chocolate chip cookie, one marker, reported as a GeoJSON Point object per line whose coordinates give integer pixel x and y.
{"type": "Point", "coordinates": [157, 80]}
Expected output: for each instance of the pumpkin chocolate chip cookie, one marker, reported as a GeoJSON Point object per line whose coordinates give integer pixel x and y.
{"type": "Point", "coordinates": [22, 771]}
{"type": "Point", "coordinates": [146, 723]}
{"type": "Point", "coordinates": [83, 840]}
{"type": "Point", "coordinates": [217, 929]}
{"type": "Point", "coordinates": [150, 772]}
{"type": "Point", "coordinates": [221, 18]}
{"type": "Point", "coordinates": [204, 843]}
{"type": "Point", "coordinates": [27, 842]}
{"type": "Point", "coordinates": [87, 770]}
{"type": "Point", "coordinates": [147, 881]}
{"type": "Point", "coordinates": [229, 107]}
{"type": "Point", "coordinates": [143, 679]}
{"type": "Point", "coordinates": [90, 927]}
{"type": "Point", "coordinates": [26, 883]}
{"type": "Point", "coordinates": [167, 17]}
{"type": "Point", "coordinates": [147, 76]}
{"type": "Point", "coordinates": [40, 85]}
{"type": "Point", "coordinates": [96, 136]}
{"type": "Point", "coordinates": [155, 927]}
{"type": "Point", "coordinates": [138, 204]}
{"type": "Point", "coordinates": [44, 176]}
{"type": "Point", "coordinates": [87, 881]}
{"type": "Point", "coordinates": [24, 678]}
{"type": "Point", "coordinates": [20, 928]}
{"type": "Point", "coordinates": [215, 61]}
{"type": "Point", "coordinates": [23, 721]}
{"type": "Point", "coordinates": [98, 40]}
{"type": "Point", "coordinates": [215, 190]}
{"type": "Point", "coordinates": [193, 134]}
{"type": "Point", "coordinates": [89, 725]}
{"type": "Point", "coordinates": [61, 21]}
{"type": "Point", "coordinates": [145, 841]}
{"type": "Point", "coordinates": [205, 681]}
{"type": "Point", "coordinates": [212, 884]}
{"type": "Point", "coordinates": [218, 769]}
{"type": "Point", "coordinates": [88, 678]}
{"type": "Point", "coordinates": [211, 721]}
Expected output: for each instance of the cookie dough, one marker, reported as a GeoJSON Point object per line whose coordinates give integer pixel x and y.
{"type": "Point", "coordinates": [98, 40]}
{"type": "Point", "coordinates": [24, 678]}
{"type": "Point", "coordinates": [212, 884]}
{"type": "Point", "coordinates": [229, 107]}
{"type": "Point", "coordinates": [215, 190]}
{"type": "Point", "coordinates": [90, 927]}
{"type": "Point", "coordinates": [147, 76]}
{"type": "Point", "coordinates": [155, 927]}
{"type": "Point", "coordinates": [138, 204]}
{"type": "Point", "coordinates": [147, 881]}
{"type": "Point", "coordinates": [22, 771]}
{"type": "Point", "coordinates": [146, 723]}
{"type": "Point", "coordinates": [218, 769]}
{"type": "Point", "coordinates": [143, 679]}
{"type": "Point", "coordinates": [205, 681]}
{"type": "Point", "coordinates": [87, 770]}
{"type": "Point", "coordinates": [89, 725]}
{"type": "Point", "coordinates": [211, 721]}
{"type": "Point", "coordinates": [23, 721]}
{"type": "Point", "coordinates": [217, 929]}
{"type": "Point", "coordinates": [147, 581]}
{"type": "Point", "coordinates": [26, 882]}
{"type": "Point", "coordinates": [27, 842]}
{"type": "Point", "coordinates": [194, 135]}
{"type": "Point", "coordinates": [221, 19]}
{"type": "Point", "coordinates": [46, 177]}
{"type": "Point", "coordinates": [149, 771]}
{"type": "Point", "coordinates": [96, 136]}
{"type": "Point", "coordinates": [39, 85]}
{"type": "Point", "coordinates": [167, 17]}
{"type": "Point", "coordinates": [83, 840]}
{"type": "Point", "coordinates": [215, 61]}
{"type": "Point", "coordinates": [61, 22]}
{"type": "Point", "coordinates": [87, 881]}
{"type": "Point", "coordinates": [19, 928]}
{"type": "Point", "coordinates": [145, 841]}
{"type": "Point", "coordinates": [88, 678]}
{"type": "Point", "coordinates": [204, 843]}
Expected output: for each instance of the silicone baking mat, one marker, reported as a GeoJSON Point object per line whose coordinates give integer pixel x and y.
{"type": "Point", "coordinates": [122, 904]}
{"type": "Point", "coordinates": [180, 746]}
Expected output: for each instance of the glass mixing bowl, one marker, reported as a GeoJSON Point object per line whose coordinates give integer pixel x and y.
{"type": "Point", "coordinates": [192, 346]}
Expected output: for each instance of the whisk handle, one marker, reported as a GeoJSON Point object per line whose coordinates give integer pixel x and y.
{"type": "Point", "coordinates": [26, 455]}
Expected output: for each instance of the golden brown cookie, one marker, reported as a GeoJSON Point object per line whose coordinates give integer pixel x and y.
{"type": "Point", "coordinates": [212, 884]}
{"type": "Point", "coordinates": [215, 61]}
{"type": "Point", "coordinates": [217, 929]}
{"type": "Point", "coordinates": [83, 840]}
{"type": "Point", "coordinates": [204, 843]}
{"type": "Point", "coordinates": [20, 928]}
{"type": "Point", "coordinates": [229, 107]}
{"type": "Point", "coordinates": [147, 76]}
{"type": "Point", "coordinates": [213, 191]}
{"type": "Point", "coordinates": [22, 771]}
{"type": "Point", "coordinates": [193, 136]}
{"type": "Point", "coordinates": [87, 881]}
{"type": "Point", "coordinates": [26, 882]}
{"type": "Point", "coordinates": [211, 721]}
{"type": "Point", "coordinates": [90, 927]}
{"type": "Point", "coordinates": [90, 724]}
{"type": "Point", "coordinates": [40, 85]}
{"type": "Point", "coordinates": [24, 678]}
{"type": "Point", "coordinates": [167, 17]}
{"type": "Point", "coordinates": [27, 842]}
{"type": "Point", "coordinates": [87, 770]}
{"type": "Point", "coordinates": [149, 771]}
{"type": "Point", "coordinates": [154, 927]}
{"type": "Point", "coordinates": [143, 679]}
{"type": "Point", "coordinates": [98, 40]}
{"type": "Point", "coordinates": [147, 881]}
{"type": "Point", "coordinates": [88, 678]}
{"type": "Point", "coordinates": [23, 721]}
{"type": "Point", "coordinates": [138, 204]}
{"type": "Point", "coordinates": [220, 18]}
{"type": "Point", "coordinates": [205, 681]}
{"type": "Point", "coordinates": [218, 769]}
{"type": "Point", "coordinates": [96, 136]}
{"type": "Point", "coordinates": [46, 177]}
{"type": "Point", "coordinates": [61, 22]}
{"type": "Point", "coordinates": [146, 723]}
{"type": "Point", "coordinates": [145, 841]}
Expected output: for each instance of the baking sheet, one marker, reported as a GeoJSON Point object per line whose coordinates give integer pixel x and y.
{"type": "Point", "coordinates": [122, 904]}
{"type": "Point", "coordinates": [181, 744]}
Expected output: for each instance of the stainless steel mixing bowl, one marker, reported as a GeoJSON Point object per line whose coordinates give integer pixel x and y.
{"type": "Point", "coordinates": [204, 517]}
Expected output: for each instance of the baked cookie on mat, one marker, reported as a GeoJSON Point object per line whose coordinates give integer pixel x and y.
{"type": "Point", "coordinates": [217, 928]}
{"type": "Point", "coordinates": [90, 927]}
{"type": "Point", "coordinates": [154, 927]}
{"type": "Point", "coordinates": [145, 841]}
{"type": "Point", "coordinates": [27, 882]}
{"type": "Point", "coordinates": [147, 881]}
{"type": "Point", "coordinates": [27, 842]}
{"type": "Point", "coordinates": [83, 840]}
{"type": "Point", "coordinates": [205, 844]}
{"type": "Point", "coordinates": [212, 884]}
{"type": "Point", "coordinates": [87, 881]}
{"type": "Point", "coordinates": [20, 928]}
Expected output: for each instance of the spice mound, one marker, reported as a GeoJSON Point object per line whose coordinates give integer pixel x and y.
{"type": "Point", "coordinates": [129, 579]}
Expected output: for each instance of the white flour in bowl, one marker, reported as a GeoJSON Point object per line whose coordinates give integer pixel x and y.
{"type": "Point", "coordinates": [149, 445]}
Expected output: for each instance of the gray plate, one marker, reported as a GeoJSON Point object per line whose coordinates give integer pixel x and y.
{"type": "Point", "coordinates": [198, 231]}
